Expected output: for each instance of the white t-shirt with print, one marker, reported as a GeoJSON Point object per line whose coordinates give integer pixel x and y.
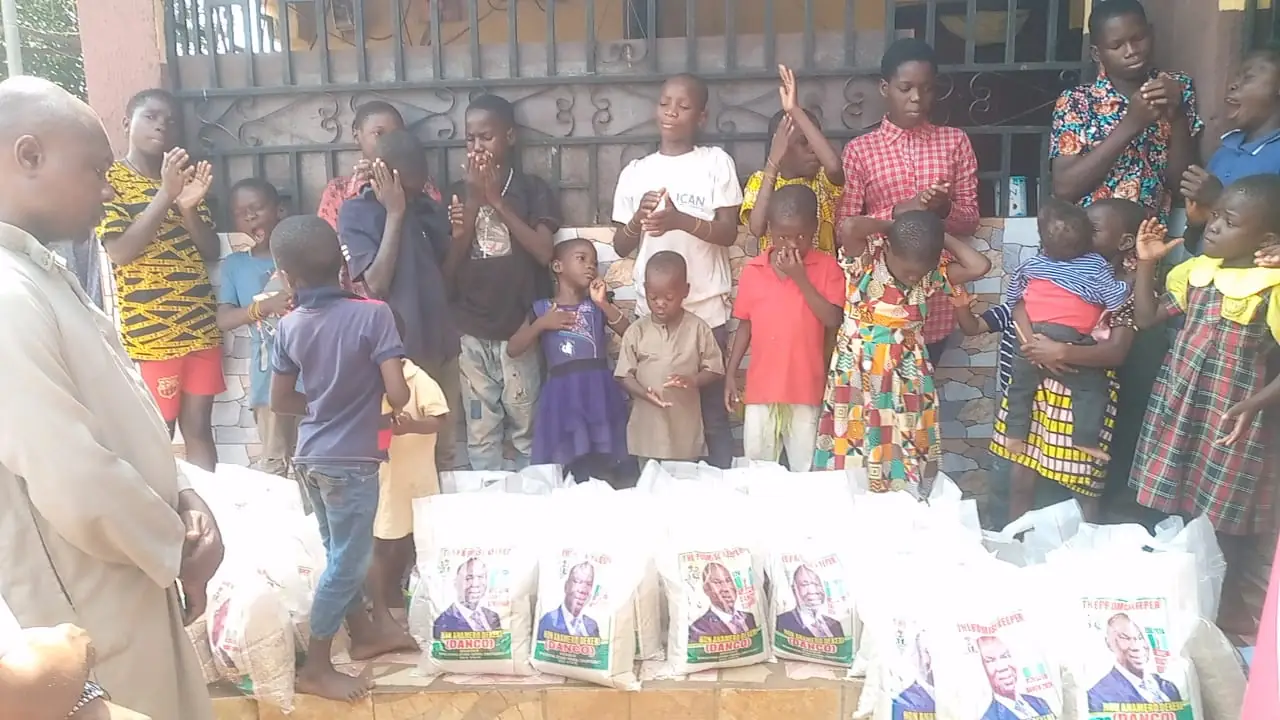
{"type": "Point", "coordinates": [698, 183]}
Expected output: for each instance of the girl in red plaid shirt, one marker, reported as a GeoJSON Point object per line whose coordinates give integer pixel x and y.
{"type": "Point", "coordinates": [1208, 443]}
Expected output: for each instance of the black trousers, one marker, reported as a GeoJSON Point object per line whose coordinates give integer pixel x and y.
{"type": "Point", "coordinates": [1088, 388]}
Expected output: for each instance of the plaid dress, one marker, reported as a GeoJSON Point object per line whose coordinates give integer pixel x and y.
{"type": "Point", "coordinates": [880, 405]}
{"type": "Point", "coordinates": [1218, 360]}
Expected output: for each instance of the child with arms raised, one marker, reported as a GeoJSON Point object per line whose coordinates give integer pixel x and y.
{"type": "Point", "coordinates": [668, 356]}
{"type": "Point", "coordinates": [880, 406]}
{"type": "Point", "coordinates": [685, 199]}
{"type": "Point", "coordinates": [582, 412]}
{"type": "Point", "coordinates": [1208, 443]}
{"type": "Point", "coordinates": [1064, 291]}
{"type": "Point", "coordinates": [243, 300]}
{"type": "Point", "coordinates": [787, 297]}
{"type": "Point", "coordinates": [798, 155]}
{"type": "Point", "coordinates": [347, 354]}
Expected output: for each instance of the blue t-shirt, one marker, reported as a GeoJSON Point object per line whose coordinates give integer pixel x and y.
{"type": "Point", "coordinates": [1236, 158]}
{"type": "Point", "coordinates": [244, 277]}
{"type": "Point", "coordinates": [335, 342]}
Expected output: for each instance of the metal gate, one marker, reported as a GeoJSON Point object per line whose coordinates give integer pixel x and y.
{"type": "Point", "coordinates": [269, 87]}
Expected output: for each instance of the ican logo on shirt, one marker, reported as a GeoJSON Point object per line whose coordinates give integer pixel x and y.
{"type": "Point", "coordinates": [689, 200]}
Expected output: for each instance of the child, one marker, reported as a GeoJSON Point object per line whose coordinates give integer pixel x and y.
{"type": "Point", "coordinates": [1204, 448]}
{"type": "Point", "coordinates": [787, 297]}
{"type": "Point", "coordinates": [798, 155]}
{"type": "Point", "coordinates": [668, 356]}
{"type": "Point", "coordinates": [158, 234]}
{"type": "Point", "coordinates": [1049, 452]}
{"type": "Point", "coordinates": [347, 354]}
{"type": "Point", "coordinates": [256, 209]}
{"type": "Point", "coordinates": [1251, 148]}
{"type": "Point", "coordinates": [502, 238]}
{"type": "Point", "coordinates": [582, 413]}
{"type": "Point", "coordinates": [1064, 291]}
{"type": "Point", "coordinates": [880, 406]}
{"type": "Point", "coordinates": [685, 199]}
{"type": "Point", "coordinates": [408, 473]}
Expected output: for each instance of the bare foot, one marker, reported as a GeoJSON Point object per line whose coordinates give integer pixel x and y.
{"type": "Point", "coordinates": [401, 616]}
{"type": "Point", "coordinates": [383, 637]}
{"type": "Point", "coordinates": [1015, 447]}
{"type": "Point", "coordinates": [1095, 453]}
{"type": "Point", "coordinates": [327, 682]}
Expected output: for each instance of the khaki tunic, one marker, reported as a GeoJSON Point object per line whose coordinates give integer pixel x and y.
{"type": "Point", "coordinates": [89, 530]}
{"type": "Point", "coordinates": [653, 352]}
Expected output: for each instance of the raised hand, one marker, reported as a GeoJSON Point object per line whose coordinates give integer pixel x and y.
{"type": "Point", "coordinates": [787, 262]}
{"type": "Point", "coordinates": [787, 92]}
{"type": "Point", "coordinates": [783, 138]}
{"type": "Point", "coordinates": [198, 181]}
{"type": "Point", "coordinates": [387, 188]}
{"type": "Point", "coordinates": [362, 173]}
{"type": "Point", "coordinates": [599, 292]}
{"type": "Point", "coordinates": [1164, 94]}
{"type": "Point", "coordinates": [1153, 241]}
{"type": "Point", "coordinates": [173, 174]}
{"type": "Point", "coordinates": [457, 214]}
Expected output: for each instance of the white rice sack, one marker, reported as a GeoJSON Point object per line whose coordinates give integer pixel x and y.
{"type": "Point", "coordinates": [813, 617]}
{"type": "Point", "coordinates": [641, 510]}
{"type": "Point", "coordinates": [198, 636]}
{"type": "Point", "coordinates": [992, 659]}
{"type": "Point", "coordinates": [897, 645]}
{"type": "Point", "coordinates": [472, 608]}
{"type": "Point", "coordinates": [1126, 624]}
{"type": "Point", "coordinates": [588, 575]}
{"type": "Point", "coordinates": [713, 574]}
{"type": "Point", "coordinates": [251, 637]}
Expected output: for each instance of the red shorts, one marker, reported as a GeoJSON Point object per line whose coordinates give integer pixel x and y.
{"type": "Point", "coordinates": [198, 373]}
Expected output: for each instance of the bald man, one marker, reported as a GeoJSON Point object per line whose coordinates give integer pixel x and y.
{"type": "Point", "coordinates": [723, 617]}
{"type": "Point", "coordinates": [98, 525]}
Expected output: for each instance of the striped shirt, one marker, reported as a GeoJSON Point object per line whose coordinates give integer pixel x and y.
{"type": "Point", "coordinates": [1089, 277]}
{"type": "Point", "coordinates": [999, 319]}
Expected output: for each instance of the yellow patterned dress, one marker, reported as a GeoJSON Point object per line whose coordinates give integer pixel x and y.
{"type": "Point", "coordinates": [880, 405]}
{"type": "Point", "coordinates": [828, 197]}
{"type": "Point", "coordinates": [167, 306]}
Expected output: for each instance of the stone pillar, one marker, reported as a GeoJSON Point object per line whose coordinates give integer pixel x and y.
{"type": "Point", "coordinates": [123, 42]}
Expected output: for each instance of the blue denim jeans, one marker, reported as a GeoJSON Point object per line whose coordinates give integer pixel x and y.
{"type": "Point", "coordinates": [499, 393]}
{"type": "Point", "coordinates": [345, 497]}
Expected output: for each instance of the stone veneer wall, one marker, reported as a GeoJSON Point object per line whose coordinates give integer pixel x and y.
{"type": "Point", "coordinates": [966, 376]}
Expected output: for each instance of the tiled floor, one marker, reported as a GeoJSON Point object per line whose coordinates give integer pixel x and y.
{"type": "Point", "coordinates": [763, 692]}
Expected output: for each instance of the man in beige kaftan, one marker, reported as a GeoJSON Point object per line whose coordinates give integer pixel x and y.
{"type": "Point", "coordinates": [96, 523]}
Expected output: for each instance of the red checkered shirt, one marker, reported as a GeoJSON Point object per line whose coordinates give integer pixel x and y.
{"type": "Point", "coordinates": [890, 165]}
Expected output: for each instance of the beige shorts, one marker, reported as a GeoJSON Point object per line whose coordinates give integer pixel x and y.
{"type": "Point", "coordinates": [409, 474]}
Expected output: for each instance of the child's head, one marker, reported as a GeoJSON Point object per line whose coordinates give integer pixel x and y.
{"type": "Point", "coordinates": [908, 81]}
{"type": "Point", "coordinates": [915, 246]}
{"type": "Point", "coordinates": [800, 159]}
{"type": "Point", "coordinates": [307, 252]}
{"type": "Point", "coordinates": [1245, 218]}
{"type": "Point", "coordinates": [256, 208]}
{"type": "Point", "coordinates": [793, 218]}
{"type": "Point", "coordinates": [491, 127]}
{"type": "Point", "coordinates": [151, 122]}
{"type": "Point", "coordinates": [373, 120]}
{"type": "Point", "coordinates": [574, 263]}
{"type": "Point", "coordinates": [403, 152]}
{"type": "Point", "coordinates": [1066, 232]}
{"type": "Point", "coordinates": [682, 107]}
{"type": "Point", "coordinates": [1115, 225]}
{"type": "Point", "coordinates": [1253, 97]}
{"type": "Point", "coordinates": [666, 285]}
{"type": "Point", "coordinates": [1121, 39]}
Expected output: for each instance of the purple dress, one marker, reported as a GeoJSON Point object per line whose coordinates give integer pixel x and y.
{"type": "Point", "coordinates": [582, 410]}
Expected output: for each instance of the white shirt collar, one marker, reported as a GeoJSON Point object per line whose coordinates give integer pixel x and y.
{"type": "Point", "coordinates": [468, 615]}
{"type": "Point", "coordinates": [570, 620]}
{"type": "Point", "coordinates": [1012, 705]}
{"type": "Point", "coordinates": [727, 618]}
{"type": "Point", "coordinates": [1148, 686]}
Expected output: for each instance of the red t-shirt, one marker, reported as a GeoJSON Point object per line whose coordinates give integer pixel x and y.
{"type": "Point", "coordinates": [787, 360]}
{"type": "Point", "coordinates": [1046, 302]}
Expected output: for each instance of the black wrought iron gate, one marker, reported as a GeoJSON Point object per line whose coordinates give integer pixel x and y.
{"type": "Point", "coordinates": [270, 86]}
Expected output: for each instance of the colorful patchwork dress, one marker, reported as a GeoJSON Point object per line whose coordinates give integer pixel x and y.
{"type": "Point", "coordinates": [880, 405]}
{"type": "Point", "coordinates": [1219, 359]}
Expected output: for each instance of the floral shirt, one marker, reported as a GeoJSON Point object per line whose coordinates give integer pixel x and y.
{"type": "Point", "coordinates": [1086, 114]}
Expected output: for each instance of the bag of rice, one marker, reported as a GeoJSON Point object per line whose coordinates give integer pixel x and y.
{"type": "Point", "coordinates": [713, 573]}
{"type": "Point", "coordinates": [896, 647]}
{"type": "Point", "coordinates": [251, 637]}
{"type": "Point", "coordinates": [1127, 618]}
{"type": "Point", "coordinates": [649, 609]}
{"type": "Point", "coordinates": [1028, 539]}
{"type": "Point", "coordinates": [991, 658]}
{"type": "Point", "coordinates": [588, 575]}
{"type": "Point", "coordinates": [478, 570]}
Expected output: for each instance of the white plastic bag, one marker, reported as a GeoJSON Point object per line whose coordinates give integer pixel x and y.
{"type": "Point", "coordinates": [477, 566]}
{"type": "Point", "coordinates": [589, 572]}
{"type": "Point", "coordinates": [713, 576]}
{"type": "Point", "coordinates": [1126, 621]}
{"type": "Point", "coordinates": [533, 480]}
{"type": "Point", "coordinates": [896, 653]}
{"type": "Point", "coordinates": [1041, 531]}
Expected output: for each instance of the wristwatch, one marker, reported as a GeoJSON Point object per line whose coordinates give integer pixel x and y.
{"type": "Point", "coordinates": [92, 691]}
